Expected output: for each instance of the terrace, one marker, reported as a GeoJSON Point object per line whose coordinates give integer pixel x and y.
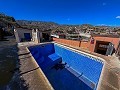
{"type": "Point", "coordinates": [111, 69]}
{"type": "Point", "coordinates": [33, 69]}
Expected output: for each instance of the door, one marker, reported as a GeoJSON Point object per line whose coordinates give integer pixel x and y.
{"type": "Point", "coordinates": [101, 47]}
{"type": "Point", "coordinates": [27, 36]}
{"type": "Point", "coordinates": [110, 49]}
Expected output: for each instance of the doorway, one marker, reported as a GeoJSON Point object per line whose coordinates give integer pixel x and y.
{"type": "Point", "coordinates": [45, 36]}
{"type": "Point", "coordinates": [27, 36]}
{"type": "Point", "coordinates": [101, 47]}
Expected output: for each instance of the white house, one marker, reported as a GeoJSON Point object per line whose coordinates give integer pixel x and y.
{"type": "Point", "coordinates": [34, 35]}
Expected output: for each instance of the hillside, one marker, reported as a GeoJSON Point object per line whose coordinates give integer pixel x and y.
{"type": "Point", "coordinates": [51, 25]}
{"type": "Point", "coordinates": [7, 24]}
{"type": "Point", "coordinates": [10, 22]}
{"type": "Point", "coordinates": [36, 24]}
{"type": "Point", "coordinates": [7, 21]}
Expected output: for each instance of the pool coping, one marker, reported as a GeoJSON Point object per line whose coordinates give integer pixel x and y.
{"type": "Point", "coordinates": [51, 88]}
{"type": "Point", "coordinates": [104, 82]}
{"type": "Point", "coordinates": [98, 58]}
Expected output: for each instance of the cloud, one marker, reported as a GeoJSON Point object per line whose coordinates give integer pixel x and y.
{"type": "Point", "coordinates": [118, 17]}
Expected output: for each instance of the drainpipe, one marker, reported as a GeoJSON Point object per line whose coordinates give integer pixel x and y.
{"type": "Point", "coordinates": [79, 41]}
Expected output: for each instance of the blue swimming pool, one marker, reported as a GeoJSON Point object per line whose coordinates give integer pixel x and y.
{"type": "Point", "coordinates": [67, 69]}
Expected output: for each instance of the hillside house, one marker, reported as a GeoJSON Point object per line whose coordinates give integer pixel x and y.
{"type": "Point", "coordinates": [23, 34]}
{"type": "Point", "coordinates": [104, 44]}
{"type": "Point", "coordinates": [63, 36]}
{"type": "Point", "coordinates": [34, 35]}
{"type": "Point", "coordinates": [58, 34]}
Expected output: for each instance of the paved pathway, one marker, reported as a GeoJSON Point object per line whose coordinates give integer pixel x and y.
{"type": "Point", "coordinates": [8, 58]}
{"type": "Point", "coordinates": [30, 71]}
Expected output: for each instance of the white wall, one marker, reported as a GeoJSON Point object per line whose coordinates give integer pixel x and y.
{"type": "Point", "coordinates": [20, 33]}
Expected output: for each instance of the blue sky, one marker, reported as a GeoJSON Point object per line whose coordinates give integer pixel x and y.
{"type": "Point", "coordinates": [96, 12]}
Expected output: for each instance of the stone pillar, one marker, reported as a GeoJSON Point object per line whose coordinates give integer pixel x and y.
{"type": "Point", "coordinates": [36, 36]}
{"type": "Point", "coordinates": [33, 35]}
{"type": "Point", "coordinates": [16, 36]}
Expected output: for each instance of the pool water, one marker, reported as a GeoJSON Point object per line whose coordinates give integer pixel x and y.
{"type": "Point", "coordinates": [67, 69]}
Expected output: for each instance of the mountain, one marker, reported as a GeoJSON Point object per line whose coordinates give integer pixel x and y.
{"type": "Point", "coordinates": [7, 24]}
{"type": "Point", "coordinates": [10, 22]}
{"type": "Point", "coordinates": [36, 24]}
{"type": "Point", "coordinates": [70, 29]}
{"type": "Point", "coordinates": [7, 21]}
{"type": "Point", "coordinates": [46, 25]}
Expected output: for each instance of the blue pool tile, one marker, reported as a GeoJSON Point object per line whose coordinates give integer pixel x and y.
{"type": "Point", "coordinates": [80, 68]}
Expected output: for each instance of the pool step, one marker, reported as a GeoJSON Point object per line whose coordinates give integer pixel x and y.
{"type": "Point", "coordinates": [52, 61]}
{"type": "Point", "coordinates": [81, 77]}
{"type": "Point", "coordinates": [54, 57]}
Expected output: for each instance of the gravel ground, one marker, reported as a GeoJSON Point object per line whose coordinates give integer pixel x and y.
{"type": "Point", "coordinates": [8, 59]}
{"type": "Point", "coordinates": [14, 75]}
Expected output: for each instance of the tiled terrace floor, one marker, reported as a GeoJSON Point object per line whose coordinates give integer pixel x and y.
{"type": "Point", "coordinates": [110, 78]}
{"type": "Point", "coordinates": [30, 71]}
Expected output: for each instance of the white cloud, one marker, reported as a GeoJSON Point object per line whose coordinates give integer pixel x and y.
{"type": "Point", "coordinates": [118, 17]}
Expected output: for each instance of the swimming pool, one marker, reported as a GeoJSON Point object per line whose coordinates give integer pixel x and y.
{"type": "Point", "coordinates": [66, 68]}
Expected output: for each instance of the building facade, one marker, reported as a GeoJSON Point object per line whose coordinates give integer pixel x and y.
{"type": "Point", "coordinates": [34, 35]}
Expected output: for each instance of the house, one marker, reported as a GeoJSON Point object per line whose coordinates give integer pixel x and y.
{"type": "Point", "coordinates": [63, 36]}
{"type": "Point", "coordinates": [35, 35]}
{"type": "Point", "coordinates": [41, 35]}
{"type": "Point", "coordinates": [23, 34]}
{"type": "Point", "coordinates": [104, 44]}
{"type": "Point", "coordinates": [74, 36]}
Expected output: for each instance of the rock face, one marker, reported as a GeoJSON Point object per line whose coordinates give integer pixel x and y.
{"type": "Point", "coordinates": [1, 34]}
{"type": "Point", "coordinates": [7, 23]}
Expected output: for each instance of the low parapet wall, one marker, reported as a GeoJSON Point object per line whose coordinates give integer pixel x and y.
{"type": "Point", "coordinates": [82, 44]}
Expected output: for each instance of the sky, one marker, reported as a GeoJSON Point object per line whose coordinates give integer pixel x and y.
{"type": "Point", "coordinates": [95, 12]}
